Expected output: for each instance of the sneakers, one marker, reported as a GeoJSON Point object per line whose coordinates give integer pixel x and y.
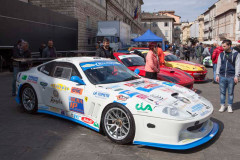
{"type": "Point", "coordinates": [230, 109]}
{"type": "Point", "coordinates": [222, 109]}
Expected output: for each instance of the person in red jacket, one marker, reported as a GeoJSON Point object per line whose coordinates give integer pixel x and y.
{"type": "Point", "coordinates": [215, 55]}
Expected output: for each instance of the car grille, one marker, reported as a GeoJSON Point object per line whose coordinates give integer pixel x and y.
{"type": "Point", "coordinates": [195, 127]}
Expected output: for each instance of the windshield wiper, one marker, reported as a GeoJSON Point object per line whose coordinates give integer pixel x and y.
{"type": "Point", "coordinates": [130, 78]}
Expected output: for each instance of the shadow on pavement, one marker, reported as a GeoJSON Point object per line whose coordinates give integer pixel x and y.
{"type": "Point", "coordinates": [196, 149]}
{"type": "Point", "coordinates": [236, 106]}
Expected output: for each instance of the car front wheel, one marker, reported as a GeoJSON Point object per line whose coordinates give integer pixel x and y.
{"type": "Point", "coordinates": [29, 100]}
{"type": "Point", "coordinates": [118, 124]}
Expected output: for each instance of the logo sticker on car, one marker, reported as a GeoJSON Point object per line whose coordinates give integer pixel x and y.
{"type": "Point", "coordinates": [77, 90]}
{"type": "Point", "coordinates": [32, 79]}
{"type": "Point", "coordinates": [60, 87]}
{"type": "Point", "coordinates": [76, 105]}
{"type": "Point", "coordinates": [142, 108]}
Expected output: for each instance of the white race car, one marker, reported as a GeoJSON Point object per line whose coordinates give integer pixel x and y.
{"type": "Point", "coordinates": [105, 95]}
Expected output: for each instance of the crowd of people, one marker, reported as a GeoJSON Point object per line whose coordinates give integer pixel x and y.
{"type": "Point", "coordinates": [21, 50]}
{"type": "Point", "coordinates": [225, 58]}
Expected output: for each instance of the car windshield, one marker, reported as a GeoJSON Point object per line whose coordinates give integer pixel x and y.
{"type": "Point", "coordinates": [172, 58]}
{"type": "Point", "coordinates": [132, 60]}
{"type": "Point", "coordinates": [104, 72]}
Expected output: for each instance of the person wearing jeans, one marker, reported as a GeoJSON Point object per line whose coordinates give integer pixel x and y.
{"type": "Point", "coordinates": [228, 67]}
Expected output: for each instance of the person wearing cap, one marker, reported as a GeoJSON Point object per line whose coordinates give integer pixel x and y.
{"type": "Point", "coordinates": [152, 63]}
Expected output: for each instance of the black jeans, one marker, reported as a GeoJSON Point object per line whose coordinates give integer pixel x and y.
{"type": "Point", "coordinates": [151, 75]}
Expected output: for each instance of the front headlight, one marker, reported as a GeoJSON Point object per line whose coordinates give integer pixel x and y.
{"type": "Point", "coordinates": [171, 79]}
{"type": "Point", "coordinates": [188, 75]}
{"type": "Point", "coordinates": [171, 111]}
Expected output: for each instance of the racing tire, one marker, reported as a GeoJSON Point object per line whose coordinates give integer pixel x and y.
{"type": "Point", "coordinates": [29, 101]}
{"type": "Point", "coordinates": [118, 124]}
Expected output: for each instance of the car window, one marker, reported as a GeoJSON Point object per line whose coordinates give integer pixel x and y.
{"type": "Point", "coordinates": [171, 58]}
{"type": "Point", "coordinates": [65, 70]}
{"type": "Point", "coordinates": [47, 68]}
{"type": "Point", "coordinates": [62, 72]}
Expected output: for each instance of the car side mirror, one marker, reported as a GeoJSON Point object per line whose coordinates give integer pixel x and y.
{"type": "Point", "coordinates": [137, 71]}
{"type": "Point", "coordinates": [77, 80]}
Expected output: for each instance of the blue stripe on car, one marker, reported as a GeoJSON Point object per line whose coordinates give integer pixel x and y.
{"type": "Point", "coordinates": [68, 118]}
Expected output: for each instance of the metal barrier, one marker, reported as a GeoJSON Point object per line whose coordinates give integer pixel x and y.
{"type": "Point", "coordinates": [74, 53]}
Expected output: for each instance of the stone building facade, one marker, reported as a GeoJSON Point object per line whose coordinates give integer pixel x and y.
{"type": "Point", "coordinates": [186, 32]}
{"type": "Point", "coordinates": [176, 25]}
{"type": "Point", "coordinates": [89, 12]}
{"type": "Point", "coordinates": [225, 20]}
{"type": "Point", "coordinates": [237, 38]}
{"type": "Point", "coordinates": [161, 25]}
{"type": "Point", "coordinates": [209, 23]}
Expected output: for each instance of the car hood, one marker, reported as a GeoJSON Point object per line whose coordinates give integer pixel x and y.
{"type": "Point", "coordinates": [158, 98]}
{"type": "Point", "coordinates": [186, 65]}
{"type": "Point", "coordinates": [167, 72]}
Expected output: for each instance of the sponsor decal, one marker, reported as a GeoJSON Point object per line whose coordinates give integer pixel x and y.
{"type": "Point", "coordinates": [32, 79]}
{"type": "Point", "coordinates": [141, 108]}
{"type": "Point", "coordinates": [60, 87]}
{"type": "Point", "coordinates": [86, 99]}
{"type": "Point", "coordinates": [204, 113]}
{"type": "Point", "coordinates": [76, 105]}
{"type": "Point", "coordinates": [87, 120]}
{"type": "Point", "coordinates": [129, 84]}
{"type": "Point", "coordinates": [122, 98]}
{"type": "Point", "coordinates": [149, 88]}
{"type": "Point", "coordinates": [95, 124]}
{"type": "Point", "coordinates": [77, 90]}
{"type": "Point", "coordinates": [43, 84]}
{"type": "Point", "coordinates": [197, 107]}
{"type": "Point", "coordinates": [101, 95]}
{"type": "Point", "coordinates": [134, 84]}
{"type": "Point", "coordinates": [92, 65]}
{"type": "Point", "coordinates": [167, 90]}
{"type": "Point", "coordinates": [119, 89]}
{"type": "Point", "coordinates": [55, 98]}
{"type": "Point", "coordinates": [62, 112]}
{"type": "Point", "coordinates": [24, 77]}
{"type": "Point", "coordinates": [142, 96]}
{"type": "Point", "coordinates": [43, 107]}
{"type": "Point", "coordinates": [169, 84]}
{"type": "Point", "coordinates": [129, 93]}
{"type": "Point", "coordinates": [53, 109]}
{"type": "Point", "coordinates": [19, 76]}
{"type": "Point", "coordinates": [78, 117]}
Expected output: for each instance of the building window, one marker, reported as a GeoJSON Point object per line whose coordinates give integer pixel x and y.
{"type": "Point", "coordinates": [145, 25]}
{"type": "Point", "coordinates": [88, 22]}
{"type": "Point", "coordinates": [89, 41]}
{"type": "Point", "coordinates": [165, 24]}
{"type": "Point", "coordinates": [166, 33]}
{"type": "Point", "coordinates": [154, 24]}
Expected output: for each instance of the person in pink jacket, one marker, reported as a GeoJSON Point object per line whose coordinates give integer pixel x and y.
{"type": "Point", "coordinates": [152, 62]}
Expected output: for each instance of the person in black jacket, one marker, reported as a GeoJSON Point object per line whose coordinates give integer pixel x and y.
{"type": "Point", "coordinates": [21, 52]}
{"type": "Point", "coordinates": [105, 51]}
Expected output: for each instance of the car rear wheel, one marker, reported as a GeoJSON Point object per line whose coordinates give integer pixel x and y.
{"type": "Point", "coordinates": [118, 124]}
{"type": "Point", "coordinates": [29, 100]}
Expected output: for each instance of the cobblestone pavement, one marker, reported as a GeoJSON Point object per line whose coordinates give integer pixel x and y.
{"type": "Point", "coordinates": [24, 136]}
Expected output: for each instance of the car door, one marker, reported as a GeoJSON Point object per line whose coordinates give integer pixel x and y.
{"type": "Point", "coordinates": [71, 94]}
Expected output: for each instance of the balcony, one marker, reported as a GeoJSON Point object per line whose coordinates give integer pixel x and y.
{"type": "Point", "coordinates": [206, 20]}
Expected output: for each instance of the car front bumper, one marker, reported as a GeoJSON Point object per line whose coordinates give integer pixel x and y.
{"type": "Point", "coordinates": [171, 134]}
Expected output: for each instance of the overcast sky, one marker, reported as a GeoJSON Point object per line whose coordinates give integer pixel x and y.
{"type": "Point", "coordinates": [187, 9]}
